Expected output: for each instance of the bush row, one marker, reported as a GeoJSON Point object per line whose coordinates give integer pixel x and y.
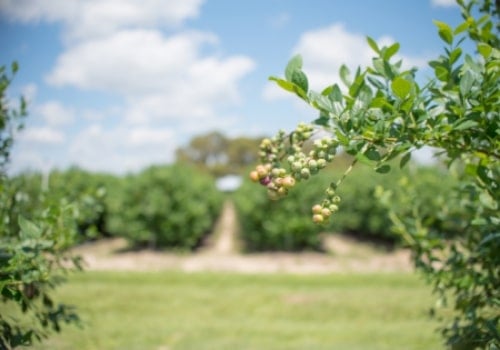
{"type": "Point", "coordinates": [286, 224]}
{"type": "Point", "coordinates": [169, 206]}
{"type": "Point", "coordinates": [176, 206]}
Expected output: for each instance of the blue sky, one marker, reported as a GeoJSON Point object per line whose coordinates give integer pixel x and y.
{"type": "Point", "coordinates": [117, 85]}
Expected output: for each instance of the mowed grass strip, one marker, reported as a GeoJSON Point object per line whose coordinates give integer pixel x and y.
{"type": "Point", "coordinates": [174, 310]}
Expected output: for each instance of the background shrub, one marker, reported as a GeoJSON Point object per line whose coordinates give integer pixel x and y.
{"type": "Point", "coordinates": [286, 224]}
{"type": "Point", "coordinates": [165, 207]}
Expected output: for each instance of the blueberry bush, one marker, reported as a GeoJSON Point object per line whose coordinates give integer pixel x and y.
{"type": "Point", "coordinates": [165, 207]}
{"type": "Point", "coordinates": [383, 113]}
{"type": "Point", "coordinates": [33, 251]}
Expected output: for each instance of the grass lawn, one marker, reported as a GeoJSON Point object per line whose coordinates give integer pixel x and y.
{"type": "Point", "coordinates": [201, 311]}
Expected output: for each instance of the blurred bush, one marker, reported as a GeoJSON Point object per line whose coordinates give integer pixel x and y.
{"type": "Point", "coordinates": [286, 224]}
{"type": "Point", "coordinates": [84, 193]}
{"type": "Point", "coordinates": [164, 207]}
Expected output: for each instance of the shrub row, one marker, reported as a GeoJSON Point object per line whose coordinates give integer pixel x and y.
{"type": "Point", "coordinates": [172, 206]}
{"type": "Point", "coordinates": [169, 206]}
{"type": "Point", "coordinates": [286, 224]}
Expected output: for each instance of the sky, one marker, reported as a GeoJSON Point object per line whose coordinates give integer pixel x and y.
{"type": "Point", "coordinates": [117, 85]}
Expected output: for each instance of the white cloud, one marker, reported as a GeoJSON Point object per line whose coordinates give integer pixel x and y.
{"type": "Point", "coordinates": [42, 135]}
{"type": "Point", "coordinates": [160, 77]}
{"type": "Point", "coordinates": [443, 3]}
{"type": "Point", "coordinates": [55, 114]}
{"type": "Point", "coordinates": [325, 50]}
{"type": "Point", "coordinates": [84, 19]}
{"type": "Point", "coordinates": [122, 148]}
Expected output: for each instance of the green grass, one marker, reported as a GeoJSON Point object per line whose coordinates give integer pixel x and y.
{"type": "Point", "coordinates": [173, 310]}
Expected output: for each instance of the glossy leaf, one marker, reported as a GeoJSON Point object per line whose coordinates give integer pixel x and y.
{"type": "Point", "coordinates": [401, 87]}
{"type": "Point", "coordinates": [345, 75]}
{"type": "Point", "coordinates": [293, 65]}
{"type": "Point", "coordinates": [391, 51]}
{"type": "Point", "coordinates": [373, 44]}
{"type": "Point", "coordinates": [445, 31]}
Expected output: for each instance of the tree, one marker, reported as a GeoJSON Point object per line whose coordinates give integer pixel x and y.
{"type": "Point", "coordinates": [33, 257]}
{"type": "Point", "coordinates": [383, 114]}
{"type": "Point", "coordinates": [219, 155]}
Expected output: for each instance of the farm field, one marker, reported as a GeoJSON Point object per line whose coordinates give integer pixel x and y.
{"type": "Point", "coordinates": [220, 310]}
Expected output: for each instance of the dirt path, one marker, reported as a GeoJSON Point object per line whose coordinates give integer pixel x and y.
{"type": "Point", "coordinates": [223, 241]}
{"type": "Point", "coordinates": [221, 253]}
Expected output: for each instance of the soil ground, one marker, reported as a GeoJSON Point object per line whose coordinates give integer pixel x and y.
{"type": "Point", "coordinates": [221, 252]}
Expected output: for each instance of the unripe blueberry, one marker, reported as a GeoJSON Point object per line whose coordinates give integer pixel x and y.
{"type": "Point", "coordinates": [318, 218]}
{"type": "Point", "coordinates": [296, 166]}
{"type": "Point", "coordinates": [336, 199]}
{"type": "Point", "coordinates": [288, 182]}
{"type": "Point", "coordinates": [254, 176]}
{"type": "Point", "coordinates": [333, 208]}
{"type": "Point", "coordinates": [282, 172]}
{"type": "Point", "coordinates": [316, 209]}
{"type": "Point", "coordinates": [330, 192]}
{"type": "Point", "coordinates": [273, 195]}
{"type": "Point", "coordinates": [321, 163]}
{"type": "Point", "coordinates": [312, 164]}
{"type": "Point", "coordinates": [326, 212]}
{"type": "Point", "coordinates": [261, 170]}
{"type": "Point", "coordinates": [305, 173]}
{"type": "Point", "coordinates": [275, 172]}
{"type": "Point", "coordinates": [282, 191]}
{"type": "Point", "coordinates": [321, 154]}
{"type": "Point", "coordinates": [265, 143]}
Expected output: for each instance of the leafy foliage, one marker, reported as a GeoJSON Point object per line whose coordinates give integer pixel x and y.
{"type": "Point", "coordinates": [383, 113]}
{"type": "Point", "coordinates": [165, 207]}
{"type": "Point", "coordinates": [33, 258]}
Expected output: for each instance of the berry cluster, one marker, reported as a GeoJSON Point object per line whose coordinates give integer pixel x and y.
{"type": "Point", "coordinates": [322, 212]}
{"type": "Point", "coordinates": [290, 150]}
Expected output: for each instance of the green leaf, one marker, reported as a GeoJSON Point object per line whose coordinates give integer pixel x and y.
{"type": "Point", "coordinates": [484, 49]}
{"type": "Point", "coordinates": [320, 101]}
{"type": "Point", "coordinates": [344, 140]}
{"type": "Point", "coordinates": [300, 79]}
{"type": "Point", "coordinates": [357, 86]}
{"type": "Point", "coordinates": [466, 83]}
{"type": "Point", "coordinates": [335, 95]}
{"type": "Point", "coordinates": [390, 51]}
{"type": "Point", "coordinates": [345, 75]}
{"type": "Point", "coordinates": [293, 65]}
{"type": "Point", "coordinates": [455, 55]}
{"type": "Point", "coordinates": [488, 201]}
{"type": "Point", "coordinates": [373, 154]}
{"type": "Point", "coordinates": [286, 85]}
{"type": "Point", "coordinates": [323, 119]}
{"type": "Point", "coordinates": [404, 160]}
{"type": "Point", "coordinates": [28, 229]}
{"type": "Point", "coordinates": [467, 124]}
{"type": "Point", "coordinates": [441, 73]}
{"type": "Point", "coordinates": [373, 44]}
{"type": "Point", "coordinates": [444, 31]}
{"type": "Point", "coordinates": [489, 238]}
{"type": "Point", "coordinates": [461, 27]}
{"type": "Point", "coordinates": [401, 87]}
{"type": "Point", "coordinates": [384, 169]}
